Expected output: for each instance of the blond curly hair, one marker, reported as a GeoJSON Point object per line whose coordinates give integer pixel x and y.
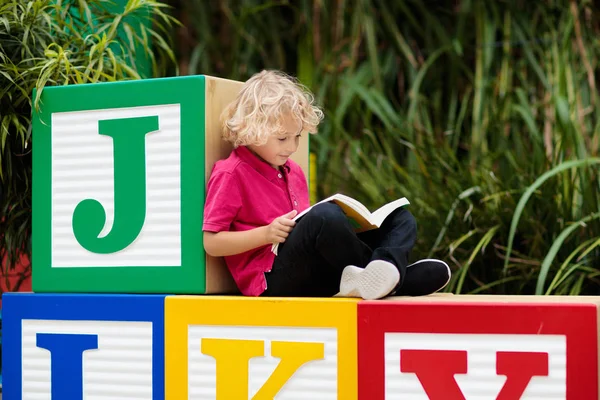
{"type": "Point", "coordinates": [259, 108]}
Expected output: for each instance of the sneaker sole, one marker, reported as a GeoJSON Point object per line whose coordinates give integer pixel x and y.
{"type": "Point", "coordinates": [375, 281]}
{"type": "Point", "coordinates": [438, 261]}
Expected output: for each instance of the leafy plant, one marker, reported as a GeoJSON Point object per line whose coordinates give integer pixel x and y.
{"type": "Point", "coordinates": [484, 114]}
{"type": "Point", "coordinates": [62, 42]}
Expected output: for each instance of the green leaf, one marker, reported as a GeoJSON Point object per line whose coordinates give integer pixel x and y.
{"type": "Point", "coordinates": [556, 245]}
{"type": "Point", "coordinates": [415, 89]}
{"type": "Point", "coordinates": [485, 240]}
{"type": "Point", "coordinates": [531, 189]}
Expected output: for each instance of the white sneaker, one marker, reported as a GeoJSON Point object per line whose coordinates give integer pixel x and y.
{"type": "Point", "coordinates": [375, 281]}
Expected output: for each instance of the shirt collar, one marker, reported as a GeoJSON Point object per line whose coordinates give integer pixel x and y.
{"type": "Point", "coordinates": [261, 166]}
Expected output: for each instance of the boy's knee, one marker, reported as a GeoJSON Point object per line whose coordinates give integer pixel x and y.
{"type": "Point", "coordinates": [411, 220]}
{"type": "Point", "coordinates": [327, 212]}
{"type": "Point", "coordinates": [324, 220]}
{"type": "Point", "coordinates": [404, 218]}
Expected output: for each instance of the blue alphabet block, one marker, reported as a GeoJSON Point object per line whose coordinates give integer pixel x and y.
{"type": "Point", "coordinates": [76, 346]}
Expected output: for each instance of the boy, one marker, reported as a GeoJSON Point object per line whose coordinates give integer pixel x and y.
{"type": "Point", "coordinates": [254, 194]}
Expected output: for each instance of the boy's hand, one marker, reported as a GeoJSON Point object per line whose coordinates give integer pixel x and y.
{"type": "Point", "coordinates": [278, 230]}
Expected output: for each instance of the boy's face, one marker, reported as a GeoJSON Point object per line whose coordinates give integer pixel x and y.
{"type": "Point", "coordinates": [282, 145]}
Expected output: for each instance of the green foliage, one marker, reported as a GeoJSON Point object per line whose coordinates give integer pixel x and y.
{"type": "Point", "coordinates": [484, 114]}
{"type": "Point", "coordinates": [61, 42]}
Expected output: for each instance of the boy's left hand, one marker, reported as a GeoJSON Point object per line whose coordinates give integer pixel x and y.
{"type": "Point", "coordinates": [278, 230]}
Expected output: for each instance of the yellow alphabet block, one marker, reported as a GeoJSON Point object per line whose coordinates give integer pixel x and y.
{"type": "Point", "coordinates": [240, 348]}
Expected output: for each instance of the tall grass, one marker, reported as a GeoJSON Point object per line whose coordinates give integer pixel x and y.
{"type": "Point", "coordinates": [484, 114]}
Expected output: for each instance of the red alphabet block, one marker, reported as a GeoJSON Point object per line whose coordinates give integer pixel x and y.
{"type": "Point", "coordinates": [457, 347]}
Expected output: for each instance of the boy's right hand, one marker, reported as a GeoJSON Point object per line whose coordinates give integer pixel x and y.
{"type": "Point", "coordinates": [278, 230]}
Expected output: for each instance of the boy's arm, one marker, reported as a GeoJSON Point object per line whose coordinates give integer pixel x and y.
{"type": "Point", "coordinates": [228, 243]}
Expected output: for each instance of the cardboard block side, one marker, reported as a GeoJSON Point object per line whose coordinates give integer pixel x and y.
{"type": "Point", "coordinates": [67, 346]}
{"type": "Point", "coordinates": [447, 348]}
{"type": "Point", "coordinates": [117, 203]}
{"type": "Point", "coordinates": [292, 348]}
{"type": "Point", "coordinates": [219, 93]}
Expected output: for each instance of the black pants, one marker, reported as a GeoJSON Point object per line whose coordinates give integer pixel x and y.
{"type": "Point", "coordinates": [323, 243]}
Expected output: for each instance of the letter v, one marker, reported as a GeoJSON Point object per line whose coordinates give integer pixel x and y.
{"type": "Point", "coordinates": [435, 369]}
{"type": "Point", "coordinates": [519, 368]}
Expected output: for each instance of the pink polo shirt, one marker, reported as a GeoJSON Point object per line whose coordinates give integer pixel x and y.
{"type": "Point", "coordinates": [244, 193]}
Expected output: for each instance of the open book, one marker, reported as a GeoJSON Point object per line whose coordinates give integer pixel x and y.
{"type": "Point", "coordinates": [360, 217]}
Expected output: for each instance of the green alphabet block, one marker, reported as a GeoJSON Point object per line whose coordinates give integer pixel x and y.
{"type": "Point", "coordinates": [119, 181]}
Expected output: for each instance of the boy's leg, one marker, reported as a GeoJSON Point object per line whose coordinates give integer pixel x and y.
{"type": "Point", "coordinates": [393, 242]}
{"type": "Point", "coordinates": [308, 277]}
{"type": "Point", "coordinates": [311, 260]}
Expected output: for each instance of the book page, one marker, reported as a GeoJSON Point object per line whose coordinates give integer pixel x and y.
{"type": "Point", "coordinates": [355, 204]}
{"type": "Point", "coordinates": [358, 218]}
{"type": "Point", "coordinates": [300, 215]}
{"type": "Point", "coordinates": [382, 213]}
{"type": "Point", "coordinates": [346, 203]}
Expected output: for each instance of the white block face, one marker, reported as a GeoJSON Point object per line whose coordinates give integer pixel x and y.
{"type": "Point", "coordinates": [315, 379]}
{"type": "Point", "coordinates": [83, 168]}
{"type": "Point", "coordinates": [120, 367]}
{"type": "Point", "coordinates": [481, 381]}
